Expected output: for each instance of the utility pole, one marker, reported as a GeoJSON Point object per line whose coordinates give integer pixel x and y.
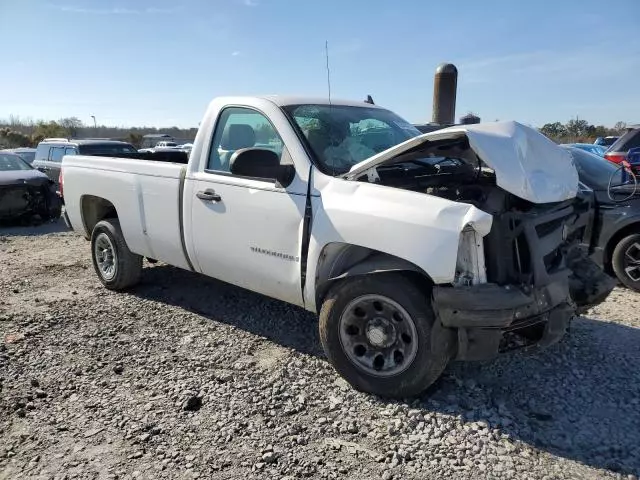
{"type": "Point", "coordinates": [95, 124]}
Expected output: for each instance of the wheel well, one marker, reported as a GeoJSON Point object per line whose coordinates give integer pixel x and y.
{"type": "Point", "coordinates": [613, 241]}
{"type": "Point", "coordinates": [95, 209]}
{"type": "Point", "coordinates": [340, 260]}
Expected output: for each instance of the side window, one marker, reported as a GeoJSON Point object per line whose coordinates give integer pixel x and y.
{"type": "Point", "coordinates": [634, 141]}
{"type": "Point", "coordinates": [42, 153]}
{"type": "Point", "coordinates": [56, 153]}
{"type": "Point", "coordinates": [70, 151]}
{"type": "Point", "coordinates": [238, 128]}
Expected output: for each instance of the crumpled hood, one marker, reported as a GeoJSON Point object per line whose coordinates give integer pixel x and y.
{"type": "Point", "coordinates": [19, 177]}
{"type": "Point", "coordinates": [526, 163]}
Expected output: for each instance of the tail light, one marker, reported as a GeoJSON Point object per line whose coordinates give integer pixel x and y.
{"type": "Point", "coordinates": [60, 183]}
{"type": "Point", "coordinates": [615, 157]}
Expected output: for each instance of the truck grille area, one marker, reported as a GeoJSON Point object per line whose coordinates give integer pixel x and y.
{"type": "Point", "coordinates": [535, 242]}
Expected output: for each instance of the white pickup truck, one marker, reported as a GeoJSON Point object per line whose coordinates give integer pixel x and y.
{"type": "Point", "coordinates": [415, 249]}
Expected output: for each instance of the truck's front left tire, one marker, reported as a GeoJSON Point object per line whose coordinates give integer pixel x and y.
{"type": "Point", "coordinates": [377, 331]}
{"type": "Point", "coordinates": [117, 267]}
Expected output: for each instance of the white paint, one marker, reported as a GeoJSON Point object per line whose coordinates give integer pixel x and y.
{"type": "Point", "coordinates": [253, 237]}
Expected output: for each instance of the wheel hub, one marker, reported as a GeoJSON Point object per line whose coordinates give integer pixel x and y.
{"type": "Point", "coordinates": [381, 333]}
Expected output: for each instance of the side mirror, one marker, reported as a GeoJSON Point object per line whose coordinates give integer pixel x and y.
{"type": "Point", "coordinates": [261, 163]}
{"type": "Point", "coordinates": [41, 169]}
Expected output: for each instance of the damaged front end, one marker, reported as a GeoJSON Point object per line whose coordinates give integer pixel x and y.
{"type": "Point", "coordinates": [522, 283]}
{"type": "Point", "coordinates": [26, 198]}
{"type": "Point", "coordinates": [538, 278]}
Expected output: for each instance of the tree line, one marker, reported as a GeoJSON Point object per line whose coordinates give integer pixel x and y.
{"type": "Point", "coordinates": [16, 132]}
{"type": "Point", "coordinates": [579, 130]}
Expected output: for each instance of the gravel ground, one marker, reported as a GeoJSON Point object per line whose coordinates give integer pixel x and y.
{"type": "Point", "coordinates": [186, 377]}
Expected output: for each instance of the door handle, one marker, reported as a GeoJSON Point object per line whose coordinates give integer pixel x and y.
{"type": "Point", "coordinates": [209, 196]}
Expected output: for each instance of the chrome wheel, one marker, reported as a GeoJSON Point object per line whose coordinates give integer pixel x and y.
{"type": "Point", "coordinates": [105, 255]}
{"type": "Point", "coordinates": [378, 335]}
{"type": "Point", "coordinates": [632, 262]}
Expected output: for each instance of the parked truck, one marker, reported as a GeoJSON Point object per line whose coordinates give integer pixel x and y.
{"type": "Point", "coordinates": [414, 249]}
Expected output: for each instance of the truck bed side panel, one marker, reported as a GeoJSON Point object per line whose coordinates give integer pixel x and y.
{"type": "Point", "coordinates": [144, 194]}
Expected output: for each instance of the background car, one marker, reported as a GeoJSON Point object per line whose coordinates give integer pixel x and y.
{"type": "Point", "coordinates": [27, 154]}
{"type": "Point", "coordinates": [605, 141]}
{"type": "Point", "coordinates": [588, 147]}
{"type": "Point", "coordinates": [618, 151]}
{"type": "Point", "coordinates": [24, 191]}
{"type": "Point", "coordinates": [50, 152]}
{"type": "Point", "coordinates": [166, 145]}
{"type": "Point", "coordinates": [614, 237]}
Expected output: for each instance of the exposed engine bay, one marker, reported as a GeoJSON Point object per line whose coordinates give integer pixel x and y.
{"type": "Point", "coordinates": [527, 241]}
{"type": "Point", "coordinates": [447, 169]}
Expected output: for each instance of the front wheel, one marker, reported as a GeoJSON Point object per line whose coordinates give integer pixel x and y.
{"type": "Point", "coordinates": [377, 331]}
{"type": "Point", "coordinates": [117, 267]}
{"type": "Point", "coordinates": [626, 261]}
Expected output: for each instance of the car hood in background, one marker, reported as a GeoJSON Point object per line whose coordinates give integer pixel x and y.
{"type": "Point", "coordinates": [526, 163]}
{"type": "Point", "coordinates": [20, 177]}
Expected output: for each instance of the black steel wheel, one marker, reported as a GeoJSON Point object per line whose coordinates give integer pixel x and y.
{"type": "Point", "coordinates": [379, 332]}
{"type": "Point", "coordinates": [378, 335]}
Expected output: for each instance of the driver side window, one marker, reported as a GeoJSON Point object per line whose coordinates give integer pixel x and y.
{"type": "Point", "coordinates": [238, 128]}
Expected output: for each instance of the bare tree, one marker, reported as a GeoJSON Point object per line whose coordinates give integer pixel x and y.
{"type": "Point", "coordinates": [71, 125]}
{"type": "Point", "coordinates": [619, 127]}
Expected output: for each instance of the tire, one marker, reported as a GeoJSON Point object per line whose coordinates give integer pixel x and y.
{"type": "Point", "coordinates": [622, 261]}
{"type": "Point", "coordinates": [126, 266]}
{"type": "Point", "coordinates": [416, 370]}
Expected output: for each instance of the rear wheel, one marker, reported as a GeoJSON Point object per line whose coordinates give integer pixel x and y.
{"type": "Point", "coordinates": [377, 331]}
{"type": "Point", "coordinates": [626, 261]}
{"type": "Point", "coordinates": [117, 267]}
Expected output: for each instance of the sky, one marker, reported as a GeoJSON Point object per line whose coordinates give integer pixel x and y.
{"type": "Point", "coordinates": [160, 62]}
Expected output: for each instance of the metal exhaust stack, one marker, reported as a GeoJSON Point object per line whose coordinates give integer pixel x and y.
{"type": "Point", "coordinates": [445, 85]}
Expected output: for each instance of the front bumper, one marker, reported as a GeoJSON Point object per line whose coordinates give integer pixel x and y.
{"type": "Point", "coordinates": [25, 199]}
{"type": "Point", "coordinates": [482, 314]}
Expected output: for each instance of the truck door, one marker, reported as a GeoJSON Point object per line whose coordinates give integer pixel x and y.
{"type": "Point", "coordinates": [246, 231]}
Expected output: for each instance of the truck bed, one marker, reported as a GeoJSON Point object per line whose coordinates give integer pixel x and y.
{"type": "Point", "coordinates": [147, 190]}
{"type": "Point", "coordinates": [172, 156]}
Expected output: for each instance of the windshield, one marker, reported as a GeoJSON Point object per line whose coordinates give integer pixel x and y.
{"type": "Point", "coordinates": [28, 157]}
{"type": "Point", "coordinates": [341, 136]}
{"type": "Point", "coordinates": [9, 162]}
{"type": "Point", "coordinates": [595, 171]}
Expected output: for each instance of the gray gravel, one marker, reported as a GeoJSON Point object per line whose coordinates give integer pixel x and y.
{"type": "Point", "coordinates": [186, 377]}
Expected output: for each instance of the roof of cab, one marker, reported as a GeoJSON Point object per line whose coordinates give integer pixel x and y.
{"type": "Point", "coordinates": [286, 100]}
{"type": "Point", "coordinates": [86, 141]}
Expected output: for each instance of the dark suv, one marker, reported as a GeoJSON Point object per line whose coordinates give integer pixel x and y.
{"type": "Point", "coordinates": [618, 151]}
{"type": "Point", "coordinates": [50, 152]}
